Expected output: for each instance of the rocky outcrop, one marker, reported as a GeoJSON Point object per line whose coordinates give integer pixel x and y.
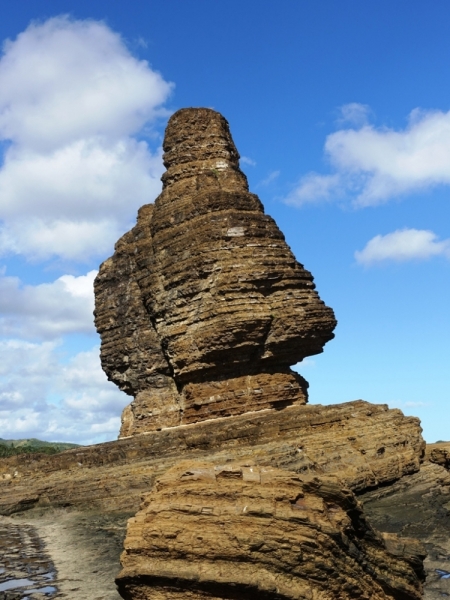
{"type": "Point", "coordinates": [439, 453]}
{"type": "Point", "coordinates": [203, 308]}
{"type": "Point", "coordinates": [418, 506]}
{"type": "Point", "coordinates": [365, 445]}
{"type": "Point", "coordinates": [244, 532]}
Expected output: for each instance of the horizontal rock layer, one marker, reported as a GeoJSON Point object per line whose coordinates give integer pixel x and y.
{"type": "Point", "coordinates": [203, 307]}
{"type": "Point", "coordinates": [365, 444]}
{"type": "Point", "coordinates": [244, 532]}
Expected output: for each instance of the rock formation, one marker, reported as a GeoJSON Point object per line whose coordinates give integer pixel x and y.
{"type": "Point", "coordinates": [203, 308]}
{"type": "Point", "coordinates": [104, 483]}
{"type": "Point", "coordinates": [365, 445]}
{"type": "Point", "coordinates": [244, 532]}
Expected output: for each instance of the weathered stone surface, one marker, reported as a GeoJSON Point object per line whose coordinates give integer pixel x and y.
{"type": "Point", "coordinates": [365, 445]}
{"type": "Point", "coordinates": [244, 532]}
{"type": "Point", "coordinates": [439, 453]}
{"type": "Point", "coordinates": [418, 506]}
{"type": "Point", "coordinates": [203, 308]}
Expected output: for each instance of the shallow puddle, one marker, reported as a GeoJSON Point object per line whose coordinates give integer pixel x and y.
{"type": "Point", "coordinates": [49, 589]}
{"type": "Point", "coordinates": [443, 574]}
{"type": "Point", "coordinates": [12, 584]}
{"type": "Point", "coordinates": [25, 567]}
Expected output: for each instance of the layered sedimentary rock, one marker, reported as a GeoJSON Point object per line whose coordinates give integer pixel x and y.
{"type": "Point", "coordinates": [439, 453]}
{"type": "Point", "coordinates": [203, 308]}
{"type": "Point", "coordinates": [365, 445]}
{"type": "Point", "coordinates": [245, 532]}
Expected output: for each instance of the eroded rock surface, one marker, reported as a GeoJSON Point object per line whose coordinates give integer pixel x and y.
{"type": "Point", "coordinates": [245, 532]}
{"type": "Point", "coordinates": [365, 445]}
{"type": "Point", "coordinates": [203, 308]}
{"type": "Point", "coordinates": [418, 506]}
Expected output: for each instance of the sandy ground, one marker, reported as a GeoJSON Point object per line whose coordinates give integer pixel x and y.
{"type": "Point", "coordinates": [85, 547]}
{"type": "Point", "coordinates": [85, 550]}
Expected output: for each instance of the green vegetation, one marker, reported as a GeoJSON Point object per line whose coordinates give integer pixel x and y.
{"type": "Point", "coordinates": [32, 446]}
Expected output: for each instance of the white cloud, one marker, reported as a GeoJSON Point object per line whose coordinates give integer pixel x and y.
{"type": "Point", "coordinates": [42, 397]}
{"type": "Point", "coordinates": [25, 369]}
{"type": "Point", "coordinates": [306, 363]}
{"type": "Point", "coordinates": [71, 98]}
{"type": "Point", "coordinates": [88, 179]}
{"type": "Point", "coordinates": [48, 310]}
{"type": "Point", "coordinates": [354, 114]}
{"type": "Point", "coordinates": [403, 245]}
{"type": "Point", "coordinates": [64, 80]}
{"type": "Point", "coordinates": [72, 240]}
{"type": "Point", "coordinates": [270, 178]}
{"type": "Point", "coordinates": [373, 165]}
{"type": "Point", "coordinates": [248, 161]}
{"type": "Point", "coordinates": [314, 188]}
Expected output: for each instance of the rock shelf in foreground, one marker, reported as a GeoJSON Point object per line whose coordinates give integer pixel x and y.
{"type": "Point", "coordinates": [365, 445]}
{"type": "Point", "coordinates": [245, 532]}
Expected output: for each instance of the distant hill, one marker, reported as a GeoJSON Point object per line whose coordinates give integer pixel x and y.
{"type": "Point", "coordinates": [32, 445]}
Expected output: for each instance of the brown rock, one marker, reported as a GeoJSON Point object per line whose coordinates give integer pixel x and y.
{"type": "Point", "coordinates": [203, 308]}
{"type": "Point", "coordinates": [244, 532]}
{"type": "Point", "coordinates": [439, 453]}
{"type": "Point", "coordinates": [365, 445]}
{"type": "Point", "coordinates": [418, 505]}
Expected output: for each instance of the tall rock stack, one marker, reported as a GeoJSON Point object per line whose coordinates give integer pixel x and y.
{"type": "Point", "coordinates": [203, 307]}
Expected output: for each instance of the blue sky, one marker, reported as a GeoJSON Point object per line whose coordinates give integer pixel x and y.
{"type": "Point", "coordinates": [341, 114]}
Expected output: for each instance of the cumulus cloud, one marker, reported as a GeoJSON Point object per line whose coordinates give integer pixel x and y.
{"type": "Point", "coordinates": [373, 165]}
{"type": "Point", "coordinates": [41, 396]}
{"type": "Point", "coordinates": [63, 80]}
{"type": "Point", "coordinates": [24, 370]}
{"type": "Point", "coordinates": [47, 310]}
{"type": "Point", "coordinates": [72, 97]}
{"type": "Point", "coordinates": [403, 245]}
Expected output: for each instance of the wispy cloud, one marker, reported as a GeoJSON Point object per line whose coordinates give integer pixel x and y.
{"type": "Point", "coordinates": [374, 165]}
{"type": "Point", "coordinates": [403, 245]}
{"type": "Point", "coordinates": [270, 178]}
{"type": "Point", "coordinates": [354, 114]}
{"type": "Point", "coordinates": [314, 188]}
{"type": "Point", "coordinates": [248, 161]}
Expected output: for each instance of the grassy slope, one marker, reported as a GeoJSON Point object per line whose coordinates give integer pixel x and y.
{"type": "Point", "coordinates": [32, 445]}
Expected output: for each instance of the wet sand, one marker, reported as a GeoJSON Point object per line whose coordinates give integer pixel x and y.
{"type": "Point", "coordinates": [59, 553]}
{"type": "Point", "coordinates": [26, 570]}
{"type": "Point", "coordinates": [80, 551]}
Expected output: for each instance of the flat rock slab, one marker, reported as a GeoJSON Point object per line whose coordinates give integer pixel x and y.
{"type": "Point", "coordinates": [365, 444]}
